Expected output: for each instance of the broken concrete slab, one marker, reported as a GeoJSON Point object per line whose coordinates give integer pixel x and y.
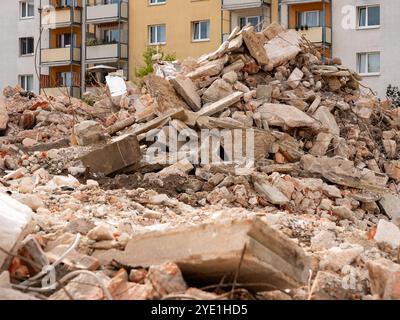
{"type": "Point", "coordinates": [15, 219]}
{"type": "Point", "coordinates": [212, 250]}
{"type": "Point", "coordinates": [11, 294]}
{"type": "Point", "coordinates": [321, 144]}
{"type": "Point", "coordinates": [3, 116]}
{"type": "Point", "coordinates": [220, 105]}
{"type": "Point", "coordinates": [88, 132]}
{"type": "Point", "coordinates": [255, 44]}
{"type": "Point", "coordinates": [164, 93]}
{"type": "Point", "coordinates": [381, 273]}
{"type": "Point", "coordinates": [209, 69]}
{"type": "Point", "coordinates": [217, 91]}
{"type": "Point", "coordinates": [343, 172]}
{"type": "Point", "coordinates": [327, 120]}
{"type": "Point", "coordinates": [271, 193]}
{"type": "Point", "coordinates": [295, 78]}
{"type": "Point", "coordinates": [188, 91]}
{"type": "Point", "coordinates": [388, 233]}
{"type": "Point", "coordinates": [285, 115]}
{"type": "Point", "coordinates": [284, 47]}
{"type": "Point", "coordinates": [390, 203]}
{"type": "Point", "coordinates": [120, 153]}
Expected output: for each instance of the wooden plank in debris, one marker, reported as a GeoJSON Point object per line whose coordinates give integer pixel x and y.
{"type": "Point", "coordinates": [220, 105]}
{"type": "Point", "coordinates": [205, 253]}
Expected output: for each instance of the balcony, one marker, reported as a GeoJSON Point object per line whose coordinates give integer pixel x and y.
{"type": "Point", "coordinates": [243, 4]}
{"type": "Point", "coordinates": [106, 52]}
{"type": "Point", "coordinates": [315, 34]}
{"type": "Point", "coordinates": [60, 56]}
{"type": "Point", "coordinates": [107, 12]}
{"type": "Point", "coordinates": [53, 18]}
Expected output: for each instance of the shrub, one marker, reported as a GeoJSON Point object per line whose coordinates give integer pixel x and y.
{"type": "Point", "coordinates": [148, 67]}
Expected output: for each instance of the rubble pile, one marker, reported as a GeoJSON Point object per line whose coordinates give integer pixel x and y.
{"type": "Point", "coordinates": [116, 194]}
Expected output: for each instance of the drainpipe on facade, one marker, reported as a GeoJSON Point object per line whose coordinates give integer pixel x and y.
{"type": "Point", "coordinates": [83, 48]}
{"type": "Point", "coordinates": [324, 30]}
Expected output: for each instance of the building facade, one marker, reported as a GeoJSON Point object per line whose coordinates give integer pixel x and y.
{"type": "Point", "coordinates": [81, 41]}
{"type": "Point", "coordinates": [19, 32]}
{"type": "Point", "coordinates": [365, 38]}
{"type": "Point", "coordinates": [185, 28]}
{"type": "Point", "coordinates": [312, 18]}
{"type": "Point", "coordinates": [258, 13]}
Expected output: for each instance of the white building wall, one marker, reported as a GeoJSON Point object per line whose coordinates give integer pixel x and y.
{"type": "Point", "coordinates": [9, 43]}
{"type": "Point", "coordinates": [12, 27]}
{"type": "Point", "coordinates": [385, 39]}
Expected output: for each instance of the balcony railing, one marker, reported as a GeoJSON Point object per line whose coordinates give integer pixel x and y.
{"type": "Point", "coordinates": [107, 12]}
{"type": "Point", "coordinates": [316, 34]}
{"type": "Point", "coordinates": [60, 56]}
{"type": "Point", "coordinates": [107, 51]}
{"type": "Point", "coordinates": [60, 17]}
{"type": "Point", "coordinates": [243, 4]}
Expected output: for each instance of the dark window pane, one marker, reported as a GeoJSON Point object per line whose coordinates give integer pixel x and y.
{"type": "Point", "coordinates": [362, 17]}
{"type": "Point", "coordinates": [374, 16]}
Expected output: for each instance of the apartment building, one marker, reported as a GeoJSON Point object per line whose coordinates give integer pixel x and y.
{"type": "Point", "coordinates": [258, 13]}
{"type": "Point", "coordinates": [19, 33]}
{"type": "Point", "coordinates": [181, 27]}
{"type": "Point", "coordinates": [82, 40]}
{"type": "Point", "coordinates": [312, 18]}
{"type": "Point", "coordinates": [366, 38]}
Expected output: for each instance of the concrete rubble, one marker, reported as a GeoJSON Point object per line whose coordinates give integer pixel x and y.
{"type": "Point", "coordinates": [111, 187]}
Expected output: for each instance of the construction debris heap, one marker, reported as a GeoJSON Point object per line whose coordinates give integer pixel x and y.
{"type": "Point", "coordinates": [105, 196]}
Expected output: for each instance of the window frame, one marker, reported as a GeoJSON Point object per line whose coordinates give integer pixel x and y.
{"type": "Point", "coordinates": [24, 84]}
{"type": "Point", "coordinates": [259, 18]}
{"type": "Point", "coordinates": [26, 11]}
{"type": "Point", "coordinates": [193, 29]}
{"type": "Point", "coordinates": [156, 2]}
{"type": "Point", "coordinates": [21, 45]}
{"type": "Point", "coordinates": [367, 26]}
{"type": "Point", "coordinates": [366, 71]}
{"type": "Point", "coordinates": [304, 18]}
{"type": "Point", "coordinates": [157, 42]}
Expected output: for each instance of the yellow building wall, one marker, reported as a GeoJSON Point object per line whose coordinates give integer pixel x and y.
{"type": "Point", "coordinates": [178, 16]}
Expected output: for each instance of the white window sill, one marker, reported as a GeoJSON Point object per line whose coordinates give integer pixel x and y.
{"type": "Point", "coordinates": [368, 27]}
{"type": "Point", "coordinates": [375, 74]}
{"type": "Point", "coordinates": [157, 4]}
{"type": "Point", "coordinates": [158, 44]}
{"type": "Point", "coordinates": [201, 40]}
{"type": "Point", "coordinates": [26, 55]}
{"type": "Point", "coordinates": [27, 18]}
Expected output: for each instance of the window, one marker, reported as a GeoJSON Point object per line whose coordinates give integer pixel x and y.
{"type": "Point", "coordinates": [27, 9]}
{"type": "Point", "coordinates": [369, 16]}
{"type": "Point", "coordinates": [66, 3]}
{"type": "Point", "coordinates": [64, 79]}
{"type": "Point", "coordinates": [111, 36]}
{"type": "Point", "coordinates": [368, 63]}
{"type": "Point", "coordinates": [26, 82]}
{"type": "Point", "coordinates": [201, 30]}
{"type": "Point", "coordinates": [309, 19]}
{"type": "Point", "coordinates": [254, 21]}
{"type": "Point", "coordinates": [26, 46]}
{"type": "Point", "coordinates": [157, 34]}
{"type": "Point", "coordinates": [64, 40]}
{"type": "Point", "coordinates": [157, 1]}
